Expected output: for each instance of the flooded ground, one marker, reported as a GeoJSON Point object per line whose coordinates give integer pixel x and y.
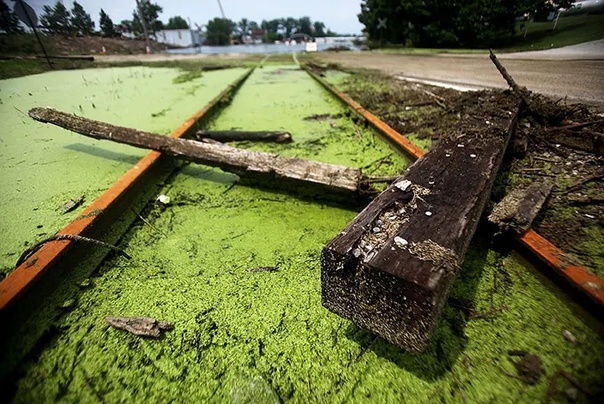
{"type": "Point", "coordinates": [245, 333]}
{"type": "Point", "coordinates": [43, 167]}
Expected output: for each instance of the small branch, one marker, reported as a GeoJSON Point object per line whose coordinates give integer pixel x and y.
{"type": "Point", "coordinates": [551, 390]}
{"type": "Point", "coordinates": [379, 180]}
{"type": "Point", "coordinates": [236, 136]}
{"type": "Point", "coordinates": [574, 126]}
{"type": "Point", "coordinates": [148, 223]}
{"type": "Point", "coordinates": [510, 80]}
{"type": "Point", "coordinates": [440, 101]}
{"type": "Point", "coordinates": [577, 185]}
{"type": "Point", "coordinates": [71, 237]}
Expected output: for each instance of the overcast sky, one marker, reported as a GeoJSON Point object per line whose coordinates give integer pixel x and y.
{"type": "Point", "coordinates": [339, 15]}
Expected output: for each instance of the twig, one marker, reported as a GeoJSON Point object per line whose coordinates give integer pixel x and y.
{"type": "Point", "coordinates": [378, 180]}
{"type": "Point", "coordinates": [510, 80]}
{"type": "Point", "coordinates": [588, 200]}
{"type": "Point", "coordinates": [440, 101]}
{"type": "Point", "coordinates": [71, 237]}
{"type": "Point", "coordinates": [148, 223]}
{"type": "Point", "coordinates": [380, 161]}
{"type": "Point", "coordinates": [551, 390]}
{"type": "Point", "coordinates": [574, 126]}
{"type": "Point", "coordinates": [359, 134]}
{"type": "Point", "coordinates": [577, 185]}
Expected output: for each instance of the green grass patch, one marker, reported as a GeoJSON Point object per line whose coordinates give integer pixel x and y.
{"type": "Point", "coordinates": [569, 31]}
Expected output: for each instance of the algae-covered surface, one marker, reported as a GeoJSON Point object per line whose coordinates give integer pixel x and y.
{"type": "Point", "coordinates": [43, 167]}
{"type": "Point", "coordinates": [236, 270]}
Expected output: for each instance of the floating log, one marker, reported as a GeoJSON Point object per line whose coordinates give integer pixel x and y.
{"type": "Point", "coordinates": [327, 181]}
{"type": "Point", "coordinates": [237, 136]}
{"type": "Point", "coordinates": [518, 209]}
{"type": "Point", "coordinates": [390, 270]}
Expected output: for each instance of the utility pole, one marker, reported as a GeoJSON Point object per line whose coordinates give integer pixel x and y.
{"type": "Point", "coordinates": [141, 16]}
{"type": "Point", "coordinates": [221, 10]}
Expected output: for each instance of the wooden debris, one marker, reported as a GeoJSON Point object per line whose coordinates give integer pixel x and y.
{"type": "Point", "coordinates": [519, 208]}
{"type": "Point", "coordinates": [529, 368]}
{"type": "Point", "coordinates": [72, 204]}
{"type": "Point", "coordinates": [327, 181]}
{"type": "Point", "coordinates": [520, 92]}
{"type": "Point", "coordinates": [579, 184]}
{"type": "Point", "coordinates": [237, 136]}
{"type": "Point", "coordinates": [142, 326]}
{"type": "Point", "coordinates": [391, 268]}
{"type": "Point", "coordinates": [263, 269]}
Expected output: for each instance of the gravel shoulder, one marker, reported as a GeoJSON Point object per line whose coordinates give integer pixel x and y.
{"type": "Point", "coordinates": [576, 79]}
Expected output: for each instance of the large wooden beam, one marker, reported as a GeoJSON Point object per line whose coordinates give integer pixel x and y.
{"type": "Point", "coordinates": [327, 181]}
{"type": "Point", "coordinates": [390, 270]}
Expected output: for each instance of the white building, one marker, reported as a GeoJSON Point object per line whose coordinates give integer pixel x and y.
{"type": "Point", "coordinates": [180, 37]}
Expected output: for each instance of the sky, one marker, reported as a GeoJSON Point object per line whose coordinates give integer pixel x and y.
{"type": "Point", "coordinates": [339, 15]}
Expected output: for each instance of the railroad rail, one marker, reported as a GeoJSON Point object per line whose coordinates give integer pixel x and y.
{"type": "Point", "coordinates": [576, 276]}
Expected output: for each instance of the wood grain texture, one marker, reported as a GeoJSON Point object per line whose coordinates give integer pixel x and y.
{"type": "Point", "coordinates": [390, 270]}
{"type": "Point", "coordinates": [323, 180]}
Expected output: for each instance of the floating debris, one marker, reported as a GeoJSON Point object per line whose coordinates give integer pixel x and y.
{"type": "Point", "coordinates": [72, 204]}
{"type": "Point", "coordinates": [142, 326]}
{"type": "Point", "coordinates": [163, 199]}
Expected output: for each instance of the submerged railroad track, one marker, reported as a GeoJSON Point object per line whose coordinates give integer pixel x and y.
{"type": "Point", "coordinates": [248, 332]}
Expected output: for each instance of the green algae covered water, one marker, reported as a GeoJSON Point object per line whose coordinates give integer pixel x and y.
{"type": "Point", "coordinates": [243, 334]}
{"type": "Point", "coordinates": [42, 167]}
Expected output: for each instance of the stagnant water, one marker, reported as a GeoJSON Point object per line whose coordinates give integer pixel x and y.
{"type": "Point", "coordinates": [243, 335]}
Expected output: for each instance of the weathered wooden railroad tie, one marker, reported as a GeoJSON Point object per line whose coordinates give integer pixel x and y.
{"type": "Point", "coordinates": [391, 268]}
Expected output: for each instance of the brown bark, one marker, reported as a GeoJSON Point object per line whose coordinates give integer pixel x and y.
{"type": "Point", "coordinates": [327, 181]}
{"type": "Point", "coordinates": [237, 136]}
{"type": "Point", "coordinates": [520, 207]}
{"type": "Point", "coordinates": [390, 270]}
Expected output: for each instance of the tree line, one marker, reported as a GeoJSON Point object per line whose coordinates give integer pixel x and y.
{"type": "Point", "coordinates": [59, 20]}
{"type": "Point", "coordinates": [448, 23]}
{"type": "Point", "coordinates": [221, 31]}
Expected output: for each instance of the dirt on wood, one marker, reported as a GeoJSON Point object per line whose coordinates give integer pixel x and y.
{"type": "Point", "coordinates": [557, 140]}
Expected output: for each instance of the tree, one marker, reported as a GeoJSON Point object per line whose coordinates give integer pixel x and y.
{"type": "Point", "coordinates": [290, 25]}
{"type": "Point", "coordinates": [150, 13]}
{"type": "Point", "coordinates": [454, 23]}
{"type": "Point", "coordinates": [219, 30]}
{"type": "Point", "coordinates": [319, 29]}
{"type": "Point", "coordinates": [9, 22]}
{"type": "Point", "coordinates": [124, 27]}
{"type": "Point", "coordinates": [80, 20]}
{"type": "Point", "coordinates": [56, 19]}
{"type": "Point", "coordinates": [243, 28]}
{"type": "Point", "coordinates": [106, 25]}
{"type": "Point", "coordinates": [305, 26]}
{"type": "Point", "coordinates": [177, 22]}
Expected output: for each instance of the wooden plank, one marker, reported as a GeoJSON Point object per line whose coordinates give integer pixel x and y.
{"type": "Point", "coordinates": [328, 181]}
{"type": "Point", "coordinates": [390, 270]}
{"type": "Point", "coordinates": [520, 207]}
{"type": "Point", "coordinates": [238, 135]}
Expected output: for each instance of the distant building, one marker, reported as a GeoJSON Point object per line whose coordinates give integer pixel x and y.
{"type": "Point", "coordinates": [179, 37]}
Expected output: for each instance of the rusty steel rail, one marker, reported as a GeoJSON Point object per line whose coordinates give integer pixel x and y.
{"type": "Point", "coordinates": [577, 276]}
{"type": "Point", "coordinates": [15, 284]}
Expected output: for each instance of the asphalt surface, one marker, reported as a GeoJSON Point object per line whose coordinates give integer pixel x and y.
{"type": "Point", "coordinates": [576, 72]}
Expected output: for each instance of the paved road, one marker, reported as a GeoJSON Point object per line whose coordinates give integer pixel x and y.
{"type": "Point", "coordinates": [576, 72]}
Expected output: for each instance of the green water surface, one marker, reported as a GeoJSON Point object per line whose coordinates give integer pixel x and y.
{"type": "Point", "coordinates": [42, 166]}
{"type": "Point", "coordinates": [244, 335]}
